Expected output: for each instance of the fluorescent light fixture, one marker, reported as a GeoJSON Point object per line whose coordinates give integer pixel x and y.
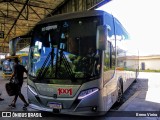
{"type": "Point", "coordinates": [87, 93]}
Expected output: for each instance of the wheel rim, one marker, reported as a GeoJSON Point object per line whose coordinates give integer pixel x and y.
{"type": "Point", "coordinates": [119, 94]}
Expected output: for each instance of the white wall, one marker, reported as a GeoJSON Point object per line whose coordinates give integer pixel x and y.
{"type": "Point", "coordinates": [152, 64]}
{"type": "Point", "coordinates": [131, 64]}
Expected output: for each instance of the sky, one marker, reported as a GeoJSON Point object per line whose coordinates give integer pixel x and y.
{"type": "Point", "coordinates": [141, 18]}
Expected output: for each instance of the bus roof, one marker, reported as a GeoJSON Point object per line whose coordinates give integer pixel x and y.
{"type": "Point", "coordinates": [72, 15]}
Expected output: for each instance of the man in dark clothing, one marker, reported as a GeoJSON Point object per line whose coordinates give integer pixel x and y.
{"type": "Point", "coordinates": [18, 74]}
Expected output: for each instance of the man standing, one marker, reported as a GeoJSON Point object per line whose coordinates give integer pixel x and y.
{"type": "Point", "coordinates": [18, 75]}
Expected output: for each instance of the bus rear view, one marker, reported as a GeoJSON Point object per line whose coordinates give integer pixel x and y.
{"type": "Point", "coordinates": [66, 64]}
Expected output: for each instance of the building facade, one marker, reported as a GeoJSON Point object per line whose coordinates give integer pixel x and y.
{"type": "Point", "coordinates": [145, 62]}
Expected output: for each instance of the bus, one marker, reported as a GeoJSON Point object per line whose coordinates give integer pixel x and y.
{"type": "Point", "coordinates": [77, 63]}
{"type": "Point", "coordinates": [8, 64]}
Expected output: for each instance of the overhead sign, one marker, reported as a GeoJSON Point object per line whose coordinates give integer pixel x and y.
{"type": "Point", "coordinates": [1, 34]}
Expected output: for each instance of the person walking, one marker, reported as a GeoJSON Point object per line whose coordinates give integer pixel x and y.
{"type": "Point", "coordinates": [18, 76]}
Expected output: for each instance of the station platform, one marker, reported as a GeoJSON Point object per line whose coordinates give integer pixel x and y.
{"type": "Point", "coordinates": [144, 104]}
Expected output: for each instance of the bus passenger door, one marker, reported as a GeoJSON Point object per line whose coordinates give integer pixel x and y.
{"type": "Point", "coordinates": [109, 78]}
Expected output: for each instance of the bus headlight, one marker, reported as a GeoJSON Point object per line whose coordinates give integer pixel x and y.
{"type": "Point", "coordinates": [32, 90]}
{"type": "Point", "coordinates": [87, 93]}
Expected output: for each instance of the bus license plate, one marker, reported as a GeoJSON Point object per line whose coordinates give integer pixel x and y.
{"type": "Point", "coordinates": [55, 105]}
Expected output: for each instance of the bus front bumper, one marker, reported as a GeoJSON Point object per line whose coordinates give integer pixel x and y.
{"type": "Point", "coordinates": [69, 112]}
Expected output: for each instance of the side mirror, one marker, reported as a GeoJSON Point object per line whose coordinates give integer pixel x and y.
{"type": "Point", "coordinates": [101, 37]}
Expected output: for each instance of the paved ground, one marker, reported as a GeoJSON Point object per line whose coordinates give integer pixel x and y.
{"type": "Point", "coordinates": [146, 98]}
{"type": "Point", "coordinates": [142, 96]}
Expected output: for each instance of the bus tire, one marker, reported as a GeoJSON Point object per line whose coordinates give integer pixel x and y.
{"type": "Point", "coordinates": [120, 92]}
{"type": "Point", "coordinates": [136, 75]}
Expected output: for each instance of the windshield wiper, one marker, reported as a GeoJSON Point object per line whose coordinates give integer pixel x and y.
{"type": "Point", "coordinates": [60, 74]}
{"type": "Point", "coordinates": [64, 61]}
{"type": "Point", "coordinates": [45, 67]}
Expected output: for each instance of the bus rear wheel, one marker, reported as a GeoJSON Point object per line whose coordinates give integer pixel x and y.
{"type": "Point", "coordinates": [120, 94]}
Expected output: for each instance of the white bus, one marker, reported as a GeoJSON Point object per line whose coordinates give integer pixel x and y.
{"type": "Point", "coordinates": [77, 64]}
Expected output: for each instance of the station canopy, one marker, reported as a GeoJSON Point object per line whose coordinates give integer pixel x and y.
{"type": "Point", "coordinates": [18, 17]}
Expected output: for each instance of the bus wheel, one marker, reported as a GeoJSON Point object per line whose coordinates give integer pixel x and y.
{"type": "Point", "coordinates": [136, 75]}
{"type": "Point", "coordinates": [120, 94]}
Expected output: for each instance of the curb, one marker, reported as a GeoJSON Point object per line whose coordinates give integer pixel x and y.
{"type": "Point", "coordinates": [124, 105]}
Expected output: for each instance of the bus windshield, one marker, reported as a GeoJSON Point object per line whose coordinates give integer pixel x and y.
{"type": "Point", "coordinates": [65, 50]}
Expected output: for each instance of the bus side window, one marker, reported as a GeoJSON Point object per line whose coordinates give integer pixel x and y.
{"type": "Point", "coordinates": [109, 62]}
{"type": "Point", "coordinates": [109, 59]}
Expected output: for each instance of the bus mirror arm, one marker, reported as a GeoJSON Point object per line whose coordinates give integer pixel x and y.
{"type": "Point", "coordinates": [101, 37]}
